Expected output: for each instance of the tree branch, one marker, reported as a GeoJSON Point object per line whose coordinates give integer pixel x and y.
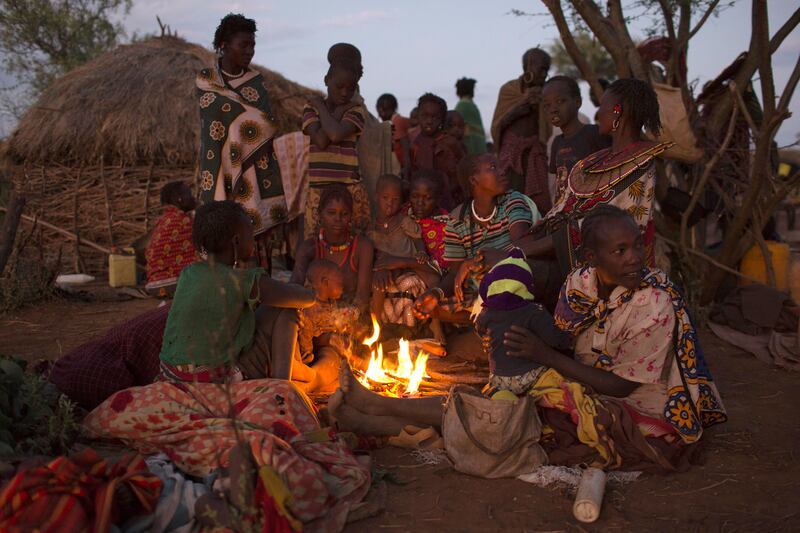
{"type": "Point", "coordinates": [761, 35]}
{"type": "Point", "coordinates": [784, 31]}
{"type": "Point", "coordinates": [605, 33]}
{"type": "Point", "coordinates": [748, 68]}
{"type": "Point", "coordinates": [554, 6]}
{"type": "Point", "coordinates": [666, 10]}
{"type": "Point", "coordinates": [738, 101]}
{"type": "Point", "coordinates": [635, 62]}
{"type": "Point", "coordinates": [703, 20]}
{"type": "Point", "coordinates": [709, 259]}
{"type": "Point", "coordinates": [701, 184]}
{"type": "Point", "coordinates": [788, 91]}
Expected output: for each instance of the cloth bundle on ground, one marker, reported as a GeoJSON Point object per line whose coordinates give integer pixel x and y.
{"type": "Point", "coordinates": [197, 426]}
{"type": "Point", "coordinates": [83, 492]}
{"type": "Point", "coordinates": [175, 510]}
{"type": "Point", "coordinates": [761, 320]}
{"type": "Point", "coordinates": [126, 356]}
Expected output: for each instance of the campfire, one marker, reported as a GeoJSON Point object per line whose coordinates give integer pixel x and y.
{"type": "Point", "coordinates": [402, 379]}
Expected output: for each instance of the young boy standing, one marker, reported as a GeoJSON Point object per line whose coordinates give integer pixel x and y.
{"type": "Point", "coordinates": [387, 110]}
{"type": "Point", "coordinates": [434, 149]}
{"type": "Point", "coordinates": [561, 100]}
{"type": "Point", "coordinates": [170, 248]}
{"type": "Point", "coordinates": [334, 125]}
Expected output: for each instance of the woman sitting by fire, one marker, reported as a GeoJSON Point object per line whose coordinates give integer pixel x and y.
{"type": "Point", "coordinates": [637, 365]}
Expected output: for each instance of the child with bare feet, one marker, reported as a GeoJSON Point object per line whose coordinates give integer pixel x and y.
{"type": "Point", "coordinates": [402, 269]}
{"type": "Point", "coordinates": [325, 329]}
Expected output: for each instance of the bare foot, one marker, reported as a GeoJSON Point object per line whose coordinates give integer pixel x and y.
{"type": "Point", "coordinates": [349, 418]}
{"type": "Point", "coordinates": [335, 403]}
{"type": "Point", "coordinates": [358, 396]}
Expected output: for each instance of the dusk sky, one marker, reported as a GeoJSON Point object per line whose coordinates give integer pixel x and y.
{"type": "Point", "coordinates": [414, 46]}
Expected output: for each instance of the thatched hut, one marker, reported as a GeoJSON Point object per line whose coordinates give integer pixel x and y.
{"type": "Point", "coordinates": [92, 154]}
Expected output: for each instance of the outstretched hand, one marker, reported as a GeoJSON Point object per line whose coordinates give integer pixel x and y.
{"type": "Point", "coordinates": [466, 269]}
{"type": "Point", "coordinates": [425, 304]}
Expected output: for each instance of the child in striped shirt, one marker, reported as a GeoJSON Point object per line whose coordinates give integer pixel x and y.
{"type": "Point", "coordinates": [334, 125]}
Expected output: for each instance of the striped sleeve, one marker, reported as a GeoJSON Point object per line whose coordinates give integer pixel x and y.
{"type": "Point", "coordinates": [310, 116]}
{"type": "Point", "coordinates": [355, 116]}
{"type": "Point", "coordinates": [453, 244]}
{"type": "Point", "coordinates": [519, 209]}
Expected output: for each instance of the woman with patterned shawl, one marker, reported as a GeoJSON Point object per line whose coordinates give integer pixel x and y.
{"type": "Point", "coordinates": [236, 160]}
{"type": "Point", "coordinates": [623, 175]}
{"type": "Point", "coordinates": [636, 394]}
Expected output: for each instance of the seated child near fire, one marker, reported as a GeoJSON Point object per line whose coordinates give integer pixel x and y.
{"type": "Point", "coordinates": [507, 294]}
{"type": "Point", "coordinates": [170, 247]}
{"type": "Point", "coordinates": [424, 209]}
{"type": "Point", "coordinates": [402, 270]}
{"type": "Point", "coordinates": [229, 322]}
{"type": "Point", "coordinates": [328, 323]}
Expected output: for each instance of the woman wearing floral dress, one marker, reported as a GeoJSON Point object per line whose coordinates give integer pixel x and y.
{"type": "Point", "coordinates": [236, 159]}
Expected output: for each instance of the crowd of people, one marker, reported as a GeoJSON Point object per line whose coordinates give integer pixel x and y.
{"type": "Point", "coordinates": [549, 256]}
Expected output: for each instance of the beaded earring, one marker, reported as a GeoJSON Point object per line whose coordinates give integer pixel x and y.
{"type": "Point", "coordinates": [617, 113]}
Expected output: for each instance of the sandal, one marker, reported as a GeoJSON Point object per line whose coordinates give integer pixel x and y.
{"type": "Point", "coordinates": [415, 438]}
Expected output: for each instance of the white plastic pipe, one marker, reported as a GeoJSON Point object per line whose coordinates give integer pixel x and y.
{"type": "Point", "coordinates": [589, 498]}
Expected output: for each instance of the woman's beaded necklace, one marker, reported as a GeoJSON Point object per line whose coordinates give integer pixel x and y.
{"type": "Point", "coordinates": [233, 76]}
{"type": "Point", "coordinates": [334, 248]}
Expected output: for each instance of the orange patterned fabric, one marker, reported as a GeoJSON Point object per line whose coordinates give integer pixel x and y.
{"type": "Point", "coordinates": [78, 493]}
{"type": "Point", "coordinates": [194, 425]}
{"type": "Point", "coordinates": [170, 248]}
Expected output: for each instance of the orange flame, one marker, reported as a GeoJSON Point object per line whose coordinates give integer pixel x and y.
{"type": "Point", "coordinates": [419, 372]}
{"type": "Point", "coordinates": [376, 332]}
{"type": "Point", "coordinates": [407, 371]}
{"type": "Point", "coordinates": [375, 371]}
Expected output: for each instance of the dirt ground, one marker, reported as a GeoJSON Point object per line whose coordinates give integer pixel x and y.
{"type": "Point", "coordinates": [747, 479]}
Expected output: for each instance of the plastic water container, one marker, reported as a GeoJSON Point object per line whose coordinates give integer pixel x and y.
{"type": "Point", "coordinates": [122, 269]}
{"type": "Point", "coordinates": [754, 266]}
